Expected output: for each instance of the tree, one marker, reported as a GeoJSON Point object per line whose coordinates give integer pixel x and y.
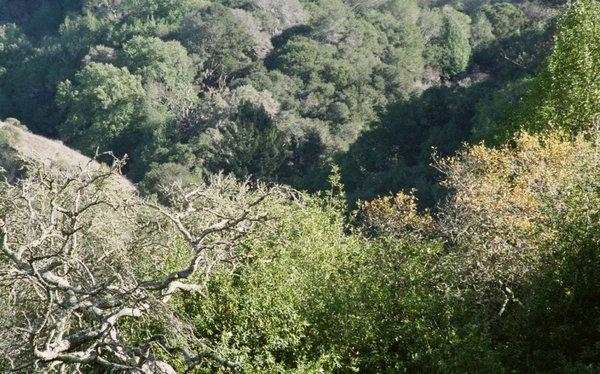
{"type": "Point", "coordinates": [482, 32]}
{"type": "Point", "coordinates": [38, 18]}
{"type": "Point", "coordinates": [522, 220]}
{"type": "Point", "coordinates": [303, 57]}
{"type": "Point", "coordinates": [102, 103]}
{"type": "Point", "coordinates": [167, 11]}
{"type": "Point", "coordinates": [90, 272]}
{"type": "Point", "coordinates": [33, 82]}
{"type": "Point", "coordinates": [456, 50]}
{"type": "Point", "coordinates": [14, 48]}
{"type": "Point", "coordinates": [314, 297]}
{"type": "Point", "coordinates": [161, 177]}
{"type": "Point", "coordinates": [566, 93]}
{"type": "Point", "coordinates": [247, 144]}
{"type": "Point", "coordinates": [500, 200]}
{"type": "Point", "coordinates": [215, 35]}
{"type": "Point", "coordinates": [403, 61]}
{"type": "Point", "coordinates": [395, 153]}
{"type": "Point", "coordinates": [506, 18]}
{"type": "Point", "coordinates": [166, 70]}
{"type": "Point", "coordinates": [157, 60]}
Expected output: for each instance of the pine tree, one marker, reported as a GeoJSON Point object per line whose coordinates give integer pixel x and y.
{"type": "Point", "coordinates": [456, 49]}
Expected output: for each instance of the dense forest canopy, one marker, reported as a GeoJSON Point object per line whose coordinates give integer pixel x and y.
{"type": "Point", "coordinates": [319, 186]}
{"type": "Point", "coordinates": [276, 89]}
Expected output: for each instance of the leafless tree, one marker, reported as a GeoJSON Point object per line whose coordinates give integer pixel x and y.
{"type": "Point", "coordinates": [83, 262]}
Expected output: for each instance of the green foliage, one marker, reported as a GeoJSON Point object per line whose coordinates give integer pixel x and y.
{"type": "Point", "coordinates": [324, 70]}
{"type": "Point", "coordinates": [403, 61]}
{"type": "Point", "coordinates": [100, 106]}
{"type": "Point", "coordinates": [303, 57]}
{"type": "Point", "coordinates": [78, 33]}
{"type": "Point", "coordinates": [505, 18]}
{"type": "Point", "coordinates": [500, 277]}
{"type": "Point", "coordinates": [166, 12]}
{"type": "Point", "coordinates": [249, 144]}
{"type": "Point", "coordinates": [527, 215]}
{"type": "Point", "coordinates": [493, 111]}
{"type": "Point", "coordinates": [280, 312]}
{"type": "Point", "coordinates": [566, 93]}
{"type": "Point", "coordinates": [33, 81]}
{"type": "Point", "coordinates": [38, 18]}
{"type": "Point", "coordinates": [482, 32]}
{"type": "Point", "coordinates": [11, 166]}
{"type": "Point", "coordinates": [14, 48]}
{"type": "Point", "coordinates": [158, 61]}
{"type": "Point", "coordinates": [166, 69]}
{"type": "Point", "coordinates": [511, 287]}
{"type": "Point", "coordinates": [456, 50]}
{"type": "Point", "coordinates": [367, 56]}
{"type": "Point", "coordinates": [395, 153]}
{"type": "Point", "coordinates": [217, 38]}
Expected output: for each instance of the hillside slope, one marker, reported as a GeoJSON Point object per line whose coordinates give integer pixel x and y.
{"type": "Point", "coordinates": [19, 144]}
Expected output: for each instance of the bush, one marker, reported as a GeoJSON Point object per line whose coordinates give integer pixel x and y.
{"type": "Point", "coordinates": [314, 298]}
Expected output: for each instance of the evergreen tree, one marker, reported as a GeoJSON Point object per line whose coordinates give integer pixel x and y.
{"type": "Point", "coordinates": [567, 91]}
{"type": "Point", "coordinates": [247, 144]}
{"type": "Point", "coordinates": [456, 49]}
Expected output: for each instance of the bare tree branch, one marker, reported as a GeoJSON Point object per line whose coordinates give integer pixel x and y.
{"type": "Point", "coordinates": [78, 256]}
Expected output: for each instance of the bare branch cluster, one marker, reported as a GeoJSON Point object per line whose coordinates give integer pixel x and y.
{"type": "Point", "coordinates": [79, 259]}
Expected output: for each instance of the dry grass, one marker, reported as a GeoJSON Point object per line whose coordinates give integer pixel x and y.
{"type": "Point", "coordinates": [49, 152]}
